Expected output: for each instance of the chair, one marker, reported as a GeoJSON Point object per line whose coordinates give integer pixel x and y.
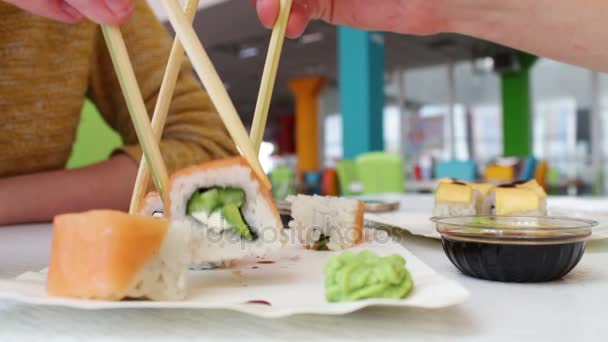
{"type": "Point", "coordinates": [541, 174]}
{"type": "Point", "coordinates": [312, 183]}
{"type": "Point", "coordinates": [380, 172]}
{"type": "Point", "coordinates": [282, 179]}
{"type": "Point", "coordinates": [347, 175]}
{"type": "Point", "coordinates": [462, 170]}
{"type": "Point", "coordinates": [499, 174]}
{"type": "Point", "coordinates": [528, 169]}
{"type": "Point", "coordinates": [329, 183]}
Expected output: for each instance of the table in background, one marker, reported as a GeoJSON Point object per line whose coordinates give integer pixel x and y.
{"type": "Point", "coordinates": [572, 309]}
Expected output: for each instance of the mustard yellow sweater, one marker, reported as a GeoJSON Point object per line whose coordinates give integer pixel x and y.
{"type": "Point", "coordinates": [47, 69]}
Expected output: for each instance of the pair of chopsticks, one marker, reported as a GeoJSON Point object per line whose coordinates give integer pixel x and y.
{"type": "Point", "coordinates": [186, 39]}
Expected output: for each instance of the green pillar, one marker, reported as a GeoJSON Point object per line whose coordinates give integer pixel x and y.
{"type": "Point", "coordinates": [517, 109]}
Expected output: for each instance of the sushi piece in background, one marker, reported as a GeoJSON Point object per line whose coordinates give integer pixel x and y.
{"type": "Point", "coordinates": [532, 185]}
{"type": "Point", "coordinates": [229, 211]}
{"type": "Point", "coordinates": [455, 199]}
{"type": "Point", "coordinates": [152, 205]}
{"type": "Point", "coordinates": [514, 201]}
{"type": "Point", "coordinates": [110, 255]}
{"type": "Point", "coordinates": [483, 191]}
{"type": "Point", "coordinates": [327, 223]}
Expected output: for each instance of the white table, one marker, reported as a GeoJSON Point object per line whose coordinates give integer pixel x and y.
{"type": "Point", "coordinates": [572, 309]}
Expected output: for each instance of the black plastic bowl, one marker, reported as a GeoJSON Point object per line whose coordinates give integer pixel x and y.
{"type": "Point", "coordinates": [514, 249]}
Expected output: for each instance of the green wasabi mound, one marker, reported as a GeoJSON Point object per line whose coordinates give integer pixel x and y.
{"type": "Point", "coordinates": [351, 277]}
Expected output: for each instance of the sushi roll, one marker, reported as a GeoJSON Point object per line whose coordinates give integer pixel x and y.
{"type": "Point", "coordinates": [455, 199]}
{"type": "Point", "coordinates": [327, 223]}
{"type": "Point", "coordinates": [152, 205]}
{"type": "Point", "coordinates": [513, 201]}
{"type": "Point", "coordinates": [532, 185]}
{"type": "Point", "coordinates": [110, 255]}
{"type": "Point", "coordinates": [483, 191]}
{"type": "Point", "coordinates": [229, 211]}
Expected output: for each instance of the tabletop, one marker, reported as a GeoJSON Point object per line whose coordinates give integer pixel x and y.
{"type": "Point", "coordinates": [573, 308]}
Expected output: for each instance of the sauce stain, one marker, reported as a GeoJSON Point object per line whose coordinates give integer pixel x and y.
{"type": "Point", "coordinates": [254, 267]}
{"type": "Point", "coordinates": [265, 262]}
{"type": "Point", "coordinates": [237, 274]}
{"type": "Point", "coordinates": [261, 302]}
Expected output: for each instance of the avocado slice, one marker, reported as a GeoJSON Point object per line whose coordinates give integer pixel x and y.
{"type": "Point", "coordinates": [232, 196]}
{"type": "Point", "coordinates": [322, 243]}
{"type": "Point", "coordinates": [232, 214]}
{"type": "Point", "coordinates": [207, 201]}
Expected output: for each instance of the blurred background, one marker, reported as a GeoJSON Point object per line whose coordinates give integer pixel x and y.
{"type": "Point", "coordinates": [365, 112]}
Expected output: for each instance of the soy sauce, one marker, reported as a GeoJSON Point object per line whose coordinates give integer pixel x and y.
{"type": "Point", "coordinates": [514, 262]}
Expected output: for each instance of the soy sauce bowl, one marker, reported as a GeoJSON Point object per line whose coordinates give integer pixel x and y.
{"type": "Point", "coordinates": [514, 248]}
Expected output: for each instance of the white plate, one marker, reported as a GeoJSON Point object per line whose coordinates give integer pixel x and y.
{"type": "Point", "coordinates": [417, 222]}
{"type": "Point", "coordinates": [293, 284]}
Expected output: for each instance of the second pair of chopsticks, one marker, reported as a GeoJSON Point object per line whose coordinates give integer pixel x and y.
{"type": "Point", "coordinates": [167, 87]}
{"type": "Point", "coordinates": [206, 71]}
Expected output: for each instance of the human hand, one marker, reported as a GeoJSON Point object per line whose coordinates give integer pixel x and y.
{"type": "Point", "coordinates": [71, 11]}
{"type": "Point", "coordinates": [404, 16]}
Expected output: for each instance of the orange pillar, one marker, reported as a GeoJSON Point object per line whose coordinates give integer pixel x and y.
{"type": "Point", "coordinates": [306, 91]}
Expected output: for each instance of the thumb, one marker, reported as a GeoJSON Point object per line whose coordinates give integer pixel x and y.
{"type": "Point", "coordinates": [52, 9]}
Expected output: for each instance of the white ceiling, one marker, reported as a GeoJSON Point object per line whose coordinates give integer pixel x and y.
{"type": "Point", "coordinates": [157, 6]}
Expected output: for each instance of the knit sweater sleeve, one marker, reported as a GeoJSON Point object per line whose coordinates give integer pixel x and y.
{"type": "Point", "coordinates": [194, 131]}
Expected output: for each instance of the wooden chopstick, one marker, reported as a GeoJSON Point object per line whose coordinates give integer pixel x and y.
{"type": "Point", "coordinates": [214, 86]}
{"type": "Point", "coordinates": [273, 56]}
{"type": "Point", "coordinates": [136, 106]}
{"type": "Point", "coordinates": [162, 109]}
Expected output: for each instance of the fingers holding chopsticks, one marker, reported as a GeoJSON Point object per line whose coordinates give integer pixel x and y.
{"type": "Point", "coordinates": [301, 12]}
{"type": "Point", "coordinates": [111, 12]}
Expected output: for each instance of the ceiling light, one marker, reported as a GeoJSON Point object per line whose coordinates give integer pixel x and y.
{"type": "Point", "coordinates": [310, 38]}
{"type": "Point", "coordinates": [248, 52]}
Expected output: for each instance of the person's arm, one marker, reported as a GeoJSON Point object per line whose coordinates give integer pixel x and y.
{"type": "Point", "coordinates": [40, 196]}
{"type": "Point", "coordinates": [193, 132]}
{"type": "Point", "coordinates": [566, 30]}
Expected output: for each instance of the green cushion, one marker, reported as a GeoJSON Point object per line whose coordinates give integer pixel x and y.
{"type": "Point", "coordinates": [380, 172]}
{"type": "Point", "coordinates": [283, 182]}
{"type": "Point", "coordinates": [347, 175]}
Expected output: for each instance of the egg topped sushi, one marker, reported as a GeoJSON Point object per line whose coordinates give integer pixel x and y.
{"type": "Point", "coordinates": [455, 199]}
{"type": "Point", "coordinates": [511, 200]}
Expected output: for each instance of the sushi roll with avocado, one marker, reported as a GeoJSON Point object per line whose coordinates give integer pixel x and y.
{"type": "Point", "coordinates": [327, 223]}
{"type": "Point", "coordinates": [455, 199]}
{"type": "Point", "coordinates": [513, 201]}
{"type": "Point", "coordinates": [229, 211]}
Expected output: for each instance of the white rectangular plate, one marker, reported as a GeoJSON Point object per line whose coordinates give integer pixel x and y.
{"type": "Point", "coordinates": [416, 222]}
{"type": "Point", "coordinates": [293, 284]}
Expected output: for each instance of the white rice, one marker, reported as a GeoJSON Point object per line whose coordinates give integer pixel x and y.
{"type": "Point", "coordinates": [152, 206]}
{"type": "Point", "coordinates": [332, 217]}
{"type": "Point", "coordinates": [448, 209]}
{"type": "Point", "coordinates": [214, 243]}
{"type": "Point", "coordinates": [165, 276]}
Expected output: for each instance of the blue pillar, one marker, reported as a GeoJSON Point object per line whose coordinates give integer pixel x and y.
{"type": "Point", "coordinates": [361, 83]}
